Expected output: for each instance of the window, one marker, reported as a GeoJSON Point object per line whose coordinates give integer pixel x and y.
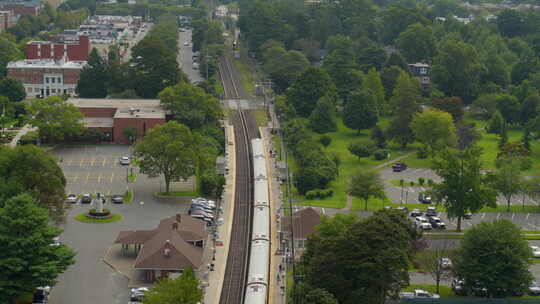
{"type": "Point", "coordinates": [54, 90]}
{"type": "Point", "coordinates": [46, 79]}
{"type": "Point", "coordinates": [423, 71]}
{"type": "Point", "coordinates": [53, 80]}
{"type": "Point", "coordinates": [59, 80]}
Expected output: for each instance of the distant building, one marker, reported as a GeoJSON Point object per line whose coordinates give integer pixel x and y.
{"type": "Point", "coordinates": [113, 116]}
{"type": "Point", "coordinates": [303, 225]}
{"type": "Point", "coordinates": [421, 71]}
{"type": "Point", "coordinates": [7, 19]}
{"type": "Point", "coordinates": [175, 244]}
{"type": "Point", "coordinates": [21, 7]}
{"type": "Point", "coordinates": [46, 77]}
{"type": "Point", "coordinates": [66, 47]}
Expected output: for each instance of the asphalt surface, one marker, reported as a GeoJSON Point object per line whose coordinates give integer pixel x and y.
{"type": "Point", "coordinates": [89, 280]}
{"type": "Point", "coordinates": [185, 56]}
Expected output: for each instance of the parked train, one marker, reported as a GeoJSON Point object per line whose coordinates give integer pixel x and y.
{"type": "Point", "coordinates": [259, 269]}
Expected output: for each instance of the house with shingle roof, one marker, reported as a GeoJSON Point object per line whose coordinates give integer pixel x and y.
{"type": "Point", "coordinates": [303, 225]}
{"type": "Point", "coordinates": [175, 244]}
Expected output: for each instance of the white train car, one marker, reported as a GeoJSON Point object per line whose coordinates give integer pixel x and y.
{"type": "Point", "coordinates": [259, 260]}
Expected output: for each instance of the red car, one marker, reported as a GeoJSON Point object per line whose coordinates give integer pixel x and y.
{"type": "Point", "coordinates": [398, 167]}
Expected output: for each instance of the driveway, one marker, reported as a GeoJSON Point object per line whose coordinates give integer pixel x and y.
{"type": "Point", "coordinates": [89, 280]}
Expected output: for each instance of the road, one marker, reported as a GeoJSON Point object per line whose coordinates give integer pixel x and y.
{"type": "Point", "coordinates": [185, 56]}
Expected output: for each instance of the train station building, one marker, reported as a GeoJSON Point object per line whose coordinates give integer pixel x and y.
{"type": "Point", "coordinates": [114, 116]}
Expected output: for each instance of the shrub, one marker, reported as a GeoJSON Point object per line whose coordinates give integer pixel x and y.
{"type": "Point", "coordinates": [421, 181]}
{"type": "Point", "coordinates": [422, 153]}
{"type": "Point", "coordinates": [380, 154]}
{"type": "Point", "coordinates": [361, 148]}
{"type": "Point", "coordinates": [319, 194]}
{"type": "Point", "coordinates": [325, 140]}
{"type": "Point", "coordinates": [93, 212]}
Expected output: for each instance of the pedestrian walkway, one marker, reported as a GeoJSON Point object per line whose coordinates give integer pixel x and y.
{"type": "Point", "coordinates": [25, 129]}
{"type": "Point", "coordinates": [214, 279]}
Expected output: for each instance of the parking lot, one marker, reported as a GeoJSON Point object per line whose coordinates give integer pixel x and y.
{"type": "Point", "coordinates": [94, 168]}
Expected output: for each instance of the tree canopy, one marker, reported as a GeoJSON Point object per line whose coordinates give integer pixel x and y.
{"type": "Point", "coordinates": [435, 129]}
{"type": "Point", "coordinates": [93, 80]}
{"type": "Point", "coordinates": [55, 118]}
{"type": "Point", "coordinates": [182, 290]}
{"type": "Point", "coordinates": [311, 85]}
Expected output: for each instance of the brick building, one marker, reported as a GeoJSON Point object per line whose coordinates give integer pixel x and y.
{"type": "Point", "coordinates": [21, 7]}
{"type": "Point", "coordinates": [46, 77]}
{"type": "Point", "coordinates": [66, 47]}
{"type": "Point", "coordinates": [6, 20]}
{"type": "Point", "coordinates": [113, 116]}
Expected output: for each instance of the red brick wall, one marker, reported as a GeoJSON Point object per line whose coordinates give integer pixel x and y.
{"type": "Point", "coordinates": [140, 123]}
{"type": "Point", "coordinates": [98, 112]}
{"type": "Point", "coordinates": [35, 75]}
{"type": "Point", "coordinates": [77, 52]}
{"type": "Point", "coordinates": [19, 9]}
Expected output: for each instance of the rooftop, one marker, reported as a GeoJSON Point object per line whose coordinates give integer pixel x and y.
{"type": "Point", "coordinates": [98, 122]}
{"type": "Point", "coordinates": [155, 113]}
{"type": "Point", "coordinates": [304, 222]}
{"type": "Point", "coordinates": [46, 63]}
{"type": "Point", "coordinates": [114, 103]}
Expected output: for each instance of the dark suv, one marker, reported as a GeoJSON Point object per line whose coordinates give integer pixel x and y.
{"type": "Point", "coordinates": [399, 166]}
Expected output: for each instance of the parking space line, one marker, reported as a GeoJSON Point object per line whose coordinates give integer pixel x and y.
{"type": "Point", "coordinates": [99, 178]}
{"type": "Point", "coordinates": [513, 214]}
{"type": "Point", "coordinates": [527, 217]}
{"type": "Point", "coordinates": [104, 161]}
{"type": "Point", "coordinates": [498, 215]}
{"type": "Point", "coordinates": [323, 211]}
{"type": "Point", "coordinates": [87, 177]}
{"type": "Point", "coordinates": [109, 193]}
{"type": "Point", "coordinates": [76, 176]}
{"type": "Point", "coordinates": [483, 215]}
{"type": "Point", "coordinates": [112, 177]}
{"type": "Point", "coordinates": [92, 162]}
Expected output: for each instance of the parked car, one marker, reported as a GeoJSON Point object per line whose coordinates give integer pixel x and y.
{"type": "Point", "coordinates": [457, 287]}
{"type": "Point", "coordinates": [436, 223]}
{"type": "Point", "coordinates": [124, 160]}
{"type": "Point", "coordinates": [201, 207]}
{"type": "Point", "coordinates": [416, 212]}
{"type": "Point", "coordinates": [55, 242]}
{"type": "Point", "coordinates": [403, 208]}
{"type": "Point", "coordinates": [431, 211]}
{"type": "Point", "coordinates": [41, 295]}
{"type": "Point", "coordinates": [468, 215]}
{"type": "Point", "coordinates": [137, 294]}
{"type": "Point", "coordinates": [182, 29]}
{"type": "Point", "coordinates": [422, 223]}
{"type": "Point", "coordinates": [399, 166]}
{"type": "Point", "coordinates": [72, 198]}
{"type": "Point", "coordinates": [117, 199]}
{"type": "Point", "coordinates": [445, 263]}
{"type": "Point", "coordinates": [535, 251]}
{"type": "Point", "coordinates": [86, 199]}
{"type": "Point", "coordinates": [204, 201]}
{"type": "Point", "coordinates": [202, 212]}
{"type": "Point", "coordinates": [418, 294]}
{"type": "Point", "coordinates": [186, 43]}
{"type": "Point", "coordinates": [387, 207]}
{"type": "Point", "coordinates": [424, 198]}
{"type": "Point", "coordinates": [534, 289]}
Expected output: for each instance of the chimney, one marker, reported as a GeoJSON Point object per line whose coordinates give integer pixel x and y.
{"type": "Point", "coordinates": [167, 249]}
{"type": "Point", "coordinates": [178, 218]}
{"type": "Point", "coordinates": [175, 225]}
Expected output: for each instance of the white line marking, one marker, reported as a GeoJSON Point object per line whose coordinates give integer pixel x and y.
{"type": "Point", "coordinates": [323, 211]}
{"type": "Point", "coordinates": [513, 214]}
{"type": "Point", "coordinates": [527, 217]}
{"type": "Point", "coordinates": [483, 215]}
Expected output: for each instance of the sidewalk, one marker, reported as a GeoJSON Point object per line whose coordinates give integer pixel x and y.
{"type": "Point", "coordinates": [214, 279]}
{"type": "Point", "coordinates": [25, 129]}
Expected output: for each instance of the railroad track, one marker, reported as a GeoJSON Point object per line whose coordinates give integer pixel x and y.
{"type": "Point", "coordinates": [233, 288]}
{"type": "Point", "coordinates": [232, 86]}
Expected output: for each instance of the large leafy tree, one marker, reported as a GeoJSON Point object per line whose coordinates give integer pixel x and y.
{"type": "Point", "coordinates": [311, 85]}
{"type": "Point", "coordinates": [452, 105]}
{"type": "Point", "coordinates": [366, 184]}
{"type": "Point", "coordinates": [12, 89]}
{"type": "Point", "coordinates": [417, 43]}
{"type": "Point", "coordinates": [339, 65]}
{"type": "Point", "coordinates": [55, 117]}
{"type": "Point", "coordinates": [182, 290]}
{"type": "Point", "coordinates": [191, 105]}
{"type": "Point", "coordinates": [365, 259]}
{"type": "Point", "coordinates": [464, 188]}
{"type": "Point", "coordinates": [405, 99]}
{"type": "Point", "coordinates": [284, 67]}
{"type": "Point", "coordinates": [511, 23]}
{"type": "Point", "coordinates": [495, 256]}
{"type": "Point", "coordinates": [373, 82]}
{"type": "Point", "coordinates": [169, 150]}
{"type": "Point", "coordinates": [361, 111]}
{"type": "Point", "coordinates": [507, 179]}
{"type": "Point", "coordinates": [435, 129]}
{"type": "Point", "coordinates": [93, 80]}
{"type": "Point", "coordinates": [323, 118]}
{"type": "Point", "coordinates": [456, 69]}
{"type": "Point", "coordinates": [397, 18]}
{"type": "Point", "coordinates": [27, 259]}
{"type": "Point", "coordinates": [8, 52]}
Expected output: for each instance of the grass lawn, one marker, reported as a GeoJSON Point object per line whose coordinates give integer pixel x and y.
{"type": "Point", "coordinates": [248, 76]}
{"type": "Point", "coordinates": [179, 193]}
{"type": "Point", "coordinates": [132, 177]}
{"type": "Point", "coordinates": [260, 117]}
{"type": "Point", "coordinates": [82, 218]}
{"type": "Point", "coordinates": [349, 164]}
{"type": "Point", "coordinates": [444, 291]}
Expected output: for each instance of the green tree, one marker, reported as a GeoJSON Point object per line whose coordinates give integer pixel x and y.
{"type": "Point", "coordinates": [12, 89]}
{"type": "Point", "coordinates": [456, 69]}
{"type": "Point", "coordinates": [397, 18]}
{"type": "Point", "coordinates": [417, 43]}
{"type": "Point", "coordinates": [311, 85]}
{"type": "Point", "coordinates": [339, 65]}
{"type": "Point", "coordinates": [507, 180]}
{"type": "Point", "coordinates": [389, 77]}
{"type": "Point", "coordinates": [8, 52]}
{"type": "Point", "coordinates": [373, 82]}
{"type": "Point", "coordinates": [485, 259]}
{"type": "Point", "coordinates": [361, 148]}
{"type": "Point", "coordinates": [190, 105]}
{"type": "Point", "coordinates": [169, 150]}
{"type": "Point", "coordinates": [510, 23]}
{"type": "Point", "coordinates": [284, 67]}
{"type": "Point", "coordinates": [405, 103]}
{"type": "Point", "coordinates": [496, 123]}
{"type": "Point", "coordinates": [27, 259]}
{"type": "Point", "coordinates": [319, 296]}
{"type": "Point", "coordinates": [55, 118]}
{"type": "Point", "coordinates": [94, 78]}
{"type": "Point", "coordinates": [435, 129]}
{"type": "Point", "coordinates": [379, 137]}
{"type": "Point", "coordinates": [430, 262]}
{"type": "Point", "coordinates": [182, 290]}
{"type": "Point", "coordinates": [323, 118]}
{"type": "Point", "coordinates": [530, 108]}
{"type": "Point", "coordinates": [371, 56]}
{"type": "Point", "coordinates": [366, 184]}
{"type": "Point", "coordinates": [463, 187]}
{"type": "Point", "coordinates": [361, 111]}
{"type": "Point", "coordinates": [131, 133]}
{"type": "Point", "coordinates": [452, 105]}
{"type": "Point", "coordinates": [396, 59]}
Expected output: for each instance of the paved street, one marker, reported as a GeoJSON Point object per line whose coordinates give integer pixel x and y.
{"type": "Point", "coordinates": [90, 281]}
{"type": "Point", "coordinates": [185, 56]}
